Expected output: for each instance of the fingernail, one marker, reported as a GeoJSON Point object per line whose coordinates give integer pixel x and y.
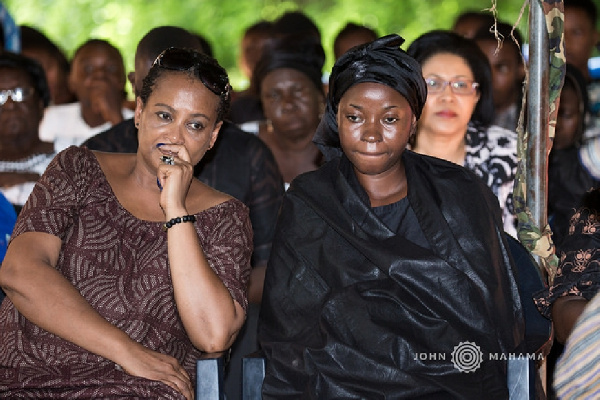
{"type": "Point", "coordinates": [160, 145]}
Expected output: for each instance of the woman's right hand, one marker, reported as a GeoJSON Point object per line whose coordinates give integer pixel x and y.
{"type": "Point", "coordinates": [146, 363]}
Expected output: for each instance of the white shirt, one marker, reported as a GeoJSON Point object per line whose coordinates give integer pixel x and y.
{"type": "Point", "coordinates": [64, 126]}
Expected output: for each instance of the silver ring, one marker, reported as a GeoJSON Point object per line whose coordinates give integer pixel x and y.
{"type": "Point", "coordinates": [167, 160]}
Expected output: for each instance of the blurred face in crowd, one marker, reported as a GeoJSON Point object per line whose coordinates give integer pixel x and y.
{"type": "Point", "coordinates": [57, 77]}
{"type": "Point", "coordinates": [252, 47]}
{"type": "Point", "coordinates": [580, 37]}
{"type": "Point", "coordinates": [19, 120]}
{"type": "Point", "coordinates": [351, 40]}
{"type": "Point", "coordinates": [469, 25]}
{"type": "Point", "coordinates": [447, 112]}
{"type": "Point", "coordinates": [291, 102]}
{"type": "Point", "coordinates": [568, 121]}
{"type": "Point", "coordinates": [97, 68]}
{"type": "Point", "coordinates": [507, 72]}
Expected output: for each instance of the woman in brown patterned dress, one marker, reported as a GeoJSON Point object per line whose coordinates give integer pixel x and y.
{"type": "Point", "coordinates": [123, 268]}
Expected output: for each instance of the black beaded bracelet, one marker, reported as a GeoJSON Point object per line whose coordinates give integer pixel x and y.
{"type": "Point", "coordinates": [176, 220]}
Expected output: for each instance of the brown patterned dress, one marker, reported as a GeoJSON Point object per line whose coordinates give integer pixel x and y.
{"type": "Point", "coordinates": [119, 264]}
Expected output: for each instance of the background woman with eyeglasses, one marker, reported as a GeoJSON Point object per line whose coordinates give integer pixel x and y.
{"type": "Point", "coordinates": [123, 268]}
{"type": "Point", "coordinates": [24, 94]}
{"type": "Point", "coordinates": [456, 121]}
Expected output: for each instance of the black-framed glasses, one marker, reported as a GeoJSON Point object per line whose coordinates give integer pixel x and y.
{"type": "Point", "coordinates": [460, 86]}
{"type": "Point", "coordinates": [208, 71]}
{"type": "Point", "coordinates": [17, 95]}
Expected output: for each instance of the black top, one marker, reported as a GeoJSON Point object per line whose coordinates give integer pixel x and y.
{"type": "Point", "coordinates": [399, 217]}
{"type": "Point", "coordinates": [239, 164]}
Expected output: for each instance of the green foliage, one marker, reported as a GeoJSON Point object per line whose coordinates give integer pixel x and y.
{"type": "Point", "coordinates": [222, 22]}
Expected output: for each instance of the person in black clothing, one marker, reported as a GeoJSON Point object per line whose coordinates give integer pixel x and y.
{"type": "Point", "coordinates": [568, 179]}
{"type": "Point", "coordinates": [370, 265]}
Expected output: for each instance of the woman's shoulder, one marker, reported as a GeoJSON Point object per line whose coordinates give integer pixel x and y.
{"type": "Point", "coordinates": [444, 176]}
{"type": "Point", "coordinates": [203, 198]}
{"type": "Point", "coordinates": [435, 167]}
{"type": "Point", "coordinates": [498, 141]}
{"type": "Point", "coordinates": [503, 135]}
{"type": "Point", "coordinates": [76, 158]}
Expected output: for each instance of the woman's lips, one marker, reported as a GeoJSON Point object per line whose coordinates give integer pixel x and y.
{"type": "Point", "coordinates": [446, 114]}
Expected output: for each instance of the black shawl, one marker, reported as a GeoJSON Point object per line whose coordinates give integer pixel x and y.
{"type": "Point", "coordinates": [351, 310]}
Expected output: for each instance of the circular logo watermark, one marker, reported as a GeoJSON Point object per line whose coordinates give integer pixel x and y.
{"type": "Point", "coordinates": [467, 357]}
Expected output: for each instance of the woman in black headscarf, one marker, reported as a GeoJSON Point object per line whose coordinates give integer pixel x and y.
{"type": "Point", "coordinates": [382, 281]}
{"type": "Point", "coordinates": [288, 78]}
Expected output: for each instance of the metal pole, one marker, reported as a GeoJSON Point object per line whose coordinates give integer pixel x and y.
{"type": "Point", "coordinates": [537, 115]}
{"type": "Point", "coordinates": [538, 98]}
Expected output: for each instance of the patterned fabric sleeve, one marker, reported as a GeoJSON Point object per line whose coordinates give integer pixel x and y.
{"type": "Point", "coordinates": [228, 246]}
{"type": "Point", "coordinates": [52, 205]}
{"type": "Point", "coordinates": [578, 273]}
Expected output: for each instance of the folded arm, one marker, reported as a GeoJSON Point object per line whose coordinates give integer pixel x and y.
{"type": "Point", "coordinates": [46, 298]}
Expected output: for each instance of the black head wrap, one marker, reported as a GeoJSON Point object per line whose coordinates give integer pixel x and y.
{"type": "Point", "coordinates": [302, 53]}
{"type": "Point", "coordinates": [381, 61]}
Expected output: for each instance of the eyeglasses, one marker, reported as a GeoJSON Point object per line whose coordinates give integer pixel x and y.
{"type": "Point", "coordinates": [458, 86]}
{"type": "Point", "coordinates": [17, 95]}
{"type": "Point", "coordinates": [207, 70]}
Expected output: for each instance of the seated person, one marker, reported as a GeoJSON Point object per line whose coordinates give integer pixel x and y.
{"type": "Point", "coordinates": [245, 105]}
{"type": "Point", "coordinates": [581, 40]}
{"type": "Point", "coordinates": [38, 46]}
{"type": "Point", "coordinates": [239, 164]}
{"type": "Point", "coordinates": [577, 278]}
{"type": "Point", "coordinates": [288, 78]}
{"type": "Point", "coordinates": [456, 124]}
{"type": "Point", "coordinates": [370, 267]}
{"type": "Point", "coordinates": [24, 94]}
{"type": "Point", "coordinates": [123, 268]}
{"type": "Point", "coordinates": [98, 80]}
{"type": "Point", "coordinates": [568, 180]}
{"type": "Point", "coordinates": [508, 71]}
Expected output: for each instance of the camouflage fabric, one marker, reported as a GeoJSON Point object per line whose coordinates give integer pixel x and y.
{"type": "Point", "coordinates": [537, 239]}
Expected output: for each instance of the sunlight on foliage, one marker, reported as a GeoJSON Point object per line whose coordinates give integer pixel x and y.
{"type": "Point", "coordinates": [70, 22]}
